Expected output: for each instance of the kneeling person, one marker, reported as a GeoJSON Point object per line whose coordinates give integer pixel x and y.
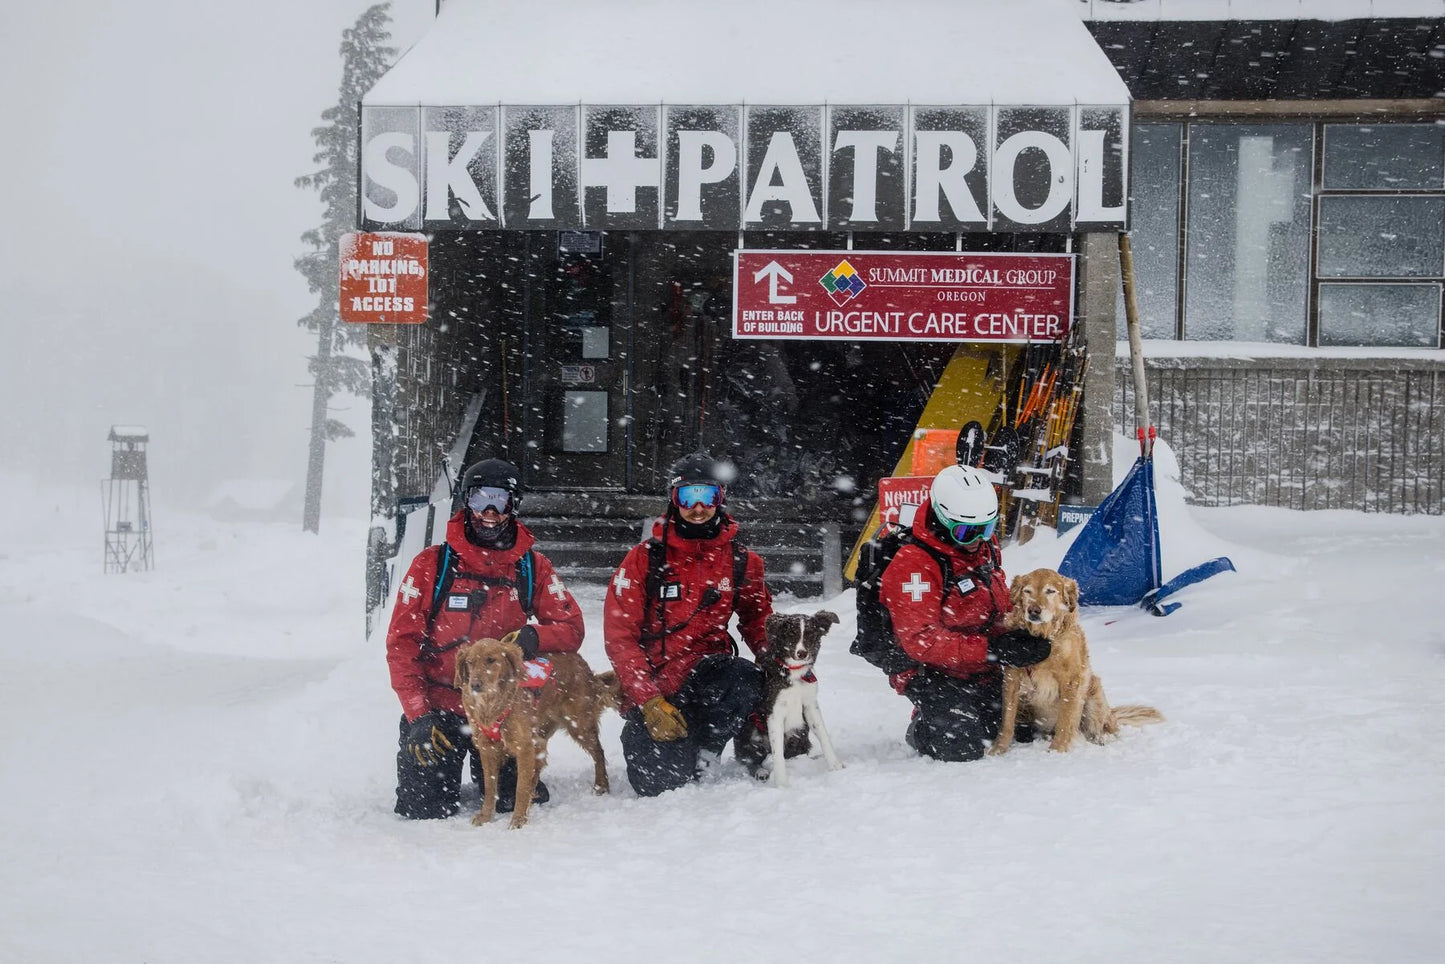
{"type": "Point", "coordinates": [485, 581]}
{"type": "Point", "coordinates": [685, 690]}
{"type": "Point", "coordinates": [947, 597]}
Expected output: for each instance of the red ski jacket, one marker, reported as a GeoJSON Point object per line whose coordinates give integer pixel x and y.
{"type": "Point", "coordinates": [947, 627]}
{"type": "Point", "coordinates": [650, 663]}
{"type": "Point", "coordinates": [481, 603]}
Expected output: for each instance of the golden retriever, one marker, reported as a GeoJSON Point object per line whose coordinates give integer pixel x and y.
{"type": "Point", "coordinates": [1060, 695]}
{"type": "Point", "coordinates": [511, 719]}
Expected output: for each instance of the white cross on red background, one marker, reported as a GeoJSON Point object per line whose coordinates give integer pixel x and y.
{"type": "Point", "coordinates": [621, 582]}
{"type": "Point", "coordinates": [916, 587]}
{"type": "Point", "coordinates": [408, 590]}
{"type": "Point", "coordinates": [556, 588]}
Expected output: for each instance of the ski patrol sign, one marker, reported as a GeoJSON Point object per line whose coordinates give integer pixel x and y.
{"type": "Point", "coordinates": [383, 278]}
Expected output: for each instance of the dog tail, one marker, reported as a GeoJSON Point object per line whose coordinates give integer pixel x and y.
{"type": "Point", "coordinates": [608, 691]}
{"type": "Point", "coordinates": [1136, 715]}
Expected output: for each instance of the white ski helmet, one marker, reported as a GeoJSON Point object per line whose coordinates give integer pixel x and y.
{"type": "Point", "coordinates": [965, 502]}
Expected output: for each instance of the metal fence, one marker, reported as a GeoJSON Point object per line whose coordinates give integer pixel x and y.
{"type": "Point", "coordinates": [1302, 433]}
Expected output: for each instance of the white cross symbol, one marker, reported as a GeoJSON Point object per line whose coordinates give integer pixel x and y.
{"type": "Point", "coordinates": [556, 588]}
{"type": "Point", "coordinates": [408, 590]}
{"type": "Point", "coordinates": [621, 172]}
{"type": "Point", "coordinates": [916, 587]}
{"type": "Point", "coordinates": [621, 582]}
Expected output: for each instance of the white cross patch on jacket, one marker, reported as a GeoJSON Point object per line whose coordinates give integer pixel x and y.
{"type": "Point", "coordinates": [556, 588]}
{"type": "Point", "coordinates": [916, 587]}
{"type": "Point", "coordinates": [621, 582]}
{"type": "Point", "coordinates": [408, 590]}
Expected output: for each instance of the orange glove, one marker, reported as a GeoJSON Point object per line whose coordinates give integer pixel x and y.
{"type": "Point", "coordinates": [664, 721]}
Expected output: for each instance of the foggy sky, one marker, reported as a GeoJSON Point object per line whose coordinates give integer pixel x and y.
{"type": "Point", "coordinates": [150, 223]}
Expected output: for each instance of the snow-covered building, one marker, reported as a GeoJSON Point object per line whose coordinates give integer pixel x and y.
{"type": "Point", "coordinates": [586, 172]}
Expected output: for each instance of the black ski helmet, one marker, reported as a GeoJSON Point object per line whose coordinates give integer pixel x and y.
{"type": "Point", "coordinates": [493, 473]}
{"type": "Point", "coordinates": [701, 468]}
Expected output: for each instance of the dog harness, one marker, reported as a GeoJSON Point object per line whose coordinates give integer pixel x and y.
{"type": "Point", "coordinates": [535, 674]}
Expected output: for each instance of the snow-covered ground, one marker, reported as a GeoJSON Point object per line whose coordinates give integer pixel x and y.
{"type": "Point", "coordinates": [197, 766]}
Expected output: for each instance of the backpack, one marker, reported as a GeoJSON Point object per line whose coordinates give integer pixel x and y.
{"type": "Point", "coordinates": [876, 641]}
{"type": "Point", "coordinates": [447, 574]}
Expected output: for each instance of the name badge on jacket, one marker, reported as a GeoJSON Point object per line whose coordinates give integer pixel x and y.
{"type": "Point", "coordinates": [458, 603]}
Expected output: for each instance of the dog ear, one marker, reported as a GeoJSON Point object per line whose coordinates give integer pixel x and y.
{"type": "Point", "coordinates": [462, 676]}
{"type": "Point", "coordinates": [514, 659]}
{"type": "Point", "coordinates": [1071, 593]}
{"type": "Point", "coordinates": [774, 624]}
{"type": "Point", "coordinates": [823, 619]}
{"type": "Point", "coordinates": [1014, 588]}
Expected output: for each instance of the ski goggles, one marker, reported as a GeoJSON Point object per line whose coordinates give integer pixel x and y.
{"type": "Point", "coordinates": [483, 497]}
{"type": "Point", "coordinates": [698, 494]}
{"type": "Point", "coordinates": [967, 533]}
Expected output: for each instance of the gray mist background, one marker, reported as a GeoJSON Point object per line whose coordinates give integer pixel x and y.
{"type": "Point", "coordinates": [149, 225]}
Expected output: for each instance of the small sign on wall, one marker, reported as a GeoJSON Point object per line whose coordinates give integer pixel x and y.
{"type": "Point", "coordinates": [1074, 515]}
{"type": "Point", "coordinates": [383, 278]}
{"type": "Point", "coordinates": [579, 374]}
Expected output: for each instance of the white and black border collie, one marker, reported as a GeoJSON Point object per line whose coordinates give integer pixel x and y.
{"type": "Point", "coordinates": [789, 709]}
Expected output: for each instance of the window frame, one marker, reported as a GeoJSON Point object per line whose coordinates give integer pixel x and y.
{"type": "Point", "coordinates": [1319, 120]}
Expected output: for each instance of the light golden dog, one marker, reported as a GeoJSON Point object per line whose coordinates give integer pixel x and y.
{"type": "Point", "coordinates": [509, 719]}
{"type": "Point", "coordinates": [1060, 695]}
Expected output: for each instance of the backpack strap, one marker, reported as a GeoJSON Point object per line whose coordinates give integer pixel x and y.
{"type": "Point", "coordinates": [945, 568]}
{"type": "Point", "coordinates": [446, 575]}
{"type": "Point", "coordinates": [740, 568]}
{"type": "Point", "coordinates": [527, 583]}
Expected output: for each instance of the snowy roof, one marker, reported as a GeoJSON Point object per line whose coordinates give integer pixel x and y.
{"type": "Point", "coordinates": [1257, 9]}
{"type": "Point", "coordinates": [1024, 52]}
{"type": "Point", "coordinates": [118, 432]}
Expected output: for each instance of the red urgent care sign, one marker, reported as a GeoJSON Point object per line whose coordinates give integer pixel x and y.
{"type": "Point", "coordinates": [882, 296]}
{"type": "Point", "coordinates": [383, 278]}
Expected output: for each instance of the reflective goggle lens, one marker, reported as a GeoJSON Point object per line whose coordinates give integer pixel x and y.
{"type": "Point", "coordinates": [689, 496]}
{"type": "Point", "coordinates": [485, 497]}
{"type": "Point", "coordinates": [965, 533]}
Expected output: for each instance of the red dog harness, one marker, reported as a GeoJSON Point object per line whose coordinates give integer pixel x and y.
{"type": "Point", "coordinates": [535, 674]}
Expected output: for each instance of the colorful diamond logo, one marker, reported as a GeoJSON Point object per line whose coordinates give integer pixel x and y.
{"type": "Point", "coordinates": [842, 283]}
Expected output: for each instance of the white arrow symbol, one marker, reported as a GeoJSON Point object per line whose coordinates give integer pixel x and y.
{"type": "Point", "coordinates": [773, 271]}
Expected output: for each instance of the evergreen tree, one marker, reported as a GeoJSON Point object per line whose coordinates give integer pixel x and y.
{"type": "Point", "coordinates": [365, 56]}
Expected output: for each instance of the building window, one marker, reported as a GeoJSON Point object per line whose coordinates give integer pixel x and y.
{"type": "Point", "coordinates": [1385, 157]}
{"type": "Point", "coordinates": [1376, 219]}
{"type": "Point", "coordinates": [1248, 232]}
{"type": "Point", "coordinates": [1154, 206]}
{"type": "Point", "coordinates": [1381, 223]}
{"type": "Point", "coordinates": [1373, 236]}
{"type": "Point", "coordinates": [584, 421]}
{"type": "Point", "coordinates": [1395, 315]}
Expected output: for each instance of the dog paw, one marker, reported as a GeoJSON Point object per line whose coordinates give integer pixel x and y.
{"type": "Point", "coordinates": [480, 820]}
{"type": "Point", "coordinates": [998, 749]}
{"type": "Point", "coordinates": [518, 822]}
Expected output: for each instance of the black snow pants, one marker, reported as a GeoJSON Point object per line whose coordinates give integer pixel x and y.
{"type": "Point", "coordinates": [954, 719]}
{"type": "Point", "coordinates": [716, 699]}
{"type": "Point", "coordinates": [433, 792]}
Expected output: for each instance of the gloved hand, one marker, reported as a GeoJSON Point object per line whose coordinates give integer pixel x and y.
{"type": "Point", "coordinates": [528, 640]}
{"type": "Point", "coordinates": [664, 721]}
{"type": "Point", "coordinates": [1018, 647]}
{"type": "Point", "coordinates": [425, 740]}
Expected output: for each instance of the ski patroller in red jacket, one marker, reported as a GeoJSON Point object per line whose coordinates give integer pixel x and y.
{"type": "Point", "coordinates": [649, 664]}
{"type": "Point", "coordinates": [421, 676]}
{"type": "Point", "coordinates": [947, 627]}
